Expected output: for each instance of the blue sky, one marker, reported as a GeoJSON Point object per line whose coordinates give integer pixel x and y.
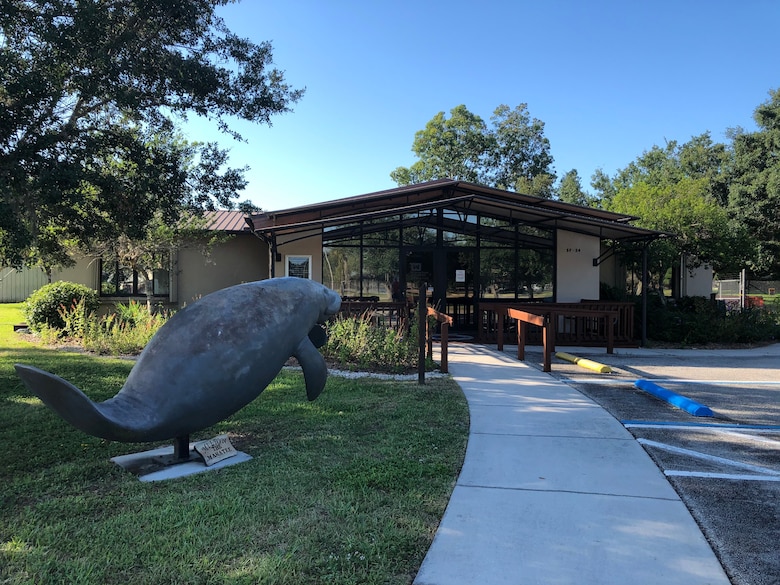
{"type": "Point", "coordinates": [609, 79]}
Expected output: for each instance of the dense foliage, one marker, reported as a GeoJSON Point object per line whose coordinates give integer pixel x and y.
{"type": "Point", "coordinates": [726, 196]}
{"type": "Point", "coordinates": [359, 342]}
{"type": "Point", "coordinates": [699, 321]}
{"type": "Point", "coordinates": [125, 331]}
{"type": "Point", "coordinates": [754, 188]}
{"type": "Point", "coordinates": [513, 154]}
{"type": "Point", "coordinates": [91, 93]}
{"type": "Point", "coordinates": [45, 307]}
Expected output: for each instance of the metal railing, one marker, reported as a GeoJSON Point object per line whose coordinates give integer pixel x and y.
{"type": "Point", "coordinates": [588, 323]}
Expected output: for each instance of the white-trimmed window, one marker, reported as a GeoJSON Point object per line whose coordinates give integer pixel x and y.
{"type": "Point", "coordinates": [299, 266]}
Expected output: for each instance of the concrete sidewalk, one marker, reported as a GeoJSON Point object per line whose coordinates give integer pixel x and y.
{"type": "Point", "coordinates": [554, 490]}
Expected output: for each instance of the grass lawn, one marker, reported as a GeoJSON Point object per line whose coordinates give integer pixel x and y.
{"type": "Point", "coordinates": [347, 489]}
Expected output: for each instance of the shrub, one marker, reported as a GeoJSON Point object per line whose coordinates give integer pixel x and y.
{"type": "Point", "coordinates": [76, 319]}
{"type": "Point", "coordinates": [360, 343]}
{"type": "Point", "coordinates": [698, 320]}
{"type": "Point", "coordinates": [133, 313]}
{"type": "Point", "coordinates": [43, 308]}
{"type": "Point", "coordinates": [125, 332]}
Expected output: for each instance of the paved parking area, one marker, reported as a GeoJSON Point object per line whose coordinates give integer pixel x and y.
{"type": "Point", "coordinates": [726, 468]}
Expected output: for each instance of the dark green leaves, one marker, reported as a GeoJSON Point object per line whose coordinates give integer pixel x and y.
{"type": "Point", "coordinates": [90, 95]}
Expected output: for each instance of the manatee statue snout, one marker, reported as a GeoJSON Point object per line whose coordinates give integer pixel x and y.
{"type": "Point", "coordinates": [208, 361]}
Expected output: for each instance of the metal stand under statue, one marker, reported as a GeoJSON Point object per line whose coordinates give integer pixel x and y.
{"type": "Point", "coordinates": [178, 460]}
{"type": "Point", "coordinates": [208, 361]}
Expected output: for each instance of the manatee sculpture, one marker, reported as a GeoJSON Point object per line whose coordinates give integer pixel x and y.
{"type": "Point", "coordinates": [207, 362]}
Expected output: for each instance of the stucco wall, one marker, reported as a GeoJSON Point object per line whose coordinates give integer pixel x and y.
{"type": "Point", "coordinates": [244, 258]}
{"type": "Point", "coordinates": [85, 271]}
{"type": "Point", "coordinates": [577, 278]}
{"type": "Point", "coordinates": [302, 244]}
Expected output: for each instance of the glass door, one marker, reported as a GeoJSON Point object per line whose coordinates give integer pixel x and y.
{"type": "Point", "coordinates": [461, 287]}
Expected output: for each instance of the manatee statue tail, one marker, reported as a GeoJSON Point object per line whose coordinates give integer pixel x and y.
{"type": "Point", "coordinates": [70, 403]}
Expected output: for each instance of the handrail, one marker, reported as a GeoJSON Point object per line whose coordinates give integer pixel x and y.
{"type": "Point", "coordinates": [440, 317]}
{"type": "Point", "coordinates": [548, 321]}
{"type": "Point", "coordinates": [445, 321]}
{"type": "Point", "coordinates": [586, 323]}
{"type": "Point", "coordinates": [524, 317]}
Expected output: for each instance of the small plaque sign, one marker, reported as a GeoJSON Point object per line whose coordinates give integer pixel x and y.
{"type": "Point", "coordinates": [216, 449]}
{"type": "Point", "coordinates": [460, 276]}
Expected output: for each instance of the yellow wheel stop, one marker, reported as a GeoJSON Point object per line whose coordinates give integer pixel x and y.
{"type": "Point", "coordinates": [589, 364]}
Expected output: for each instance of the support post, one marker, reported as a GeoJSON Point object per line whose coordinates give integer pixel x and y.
{"type": "Point", "coordinates": [500, 330]}
{"type": "Point", "coordinates": [521, 329]}
{"type": "Point", "coordinates": [548, 341]}
{"type": "Point", "coordinates": [645, 282]}
{"type": "Point", "coordinates": [445, 333]}
{"type": "Point", "coordinates": [181, 452]}
{"type": "Point", "coordinates": [181, 448]}
{"type": "Point", "coordinates": [423, 322]}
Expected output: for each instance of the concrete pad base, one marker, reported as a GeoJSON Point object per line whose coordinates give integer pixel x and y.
{"type": "Point", "coordinates": [147, 468]}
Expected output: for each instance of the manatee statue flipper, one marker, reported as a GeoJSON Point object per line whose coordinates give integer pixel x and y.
{"type": "Point", "coordinates": [315, 372]}
{"type": "Point", "coordinates": [318, 336]}
{"type": "Point", "coordinates": [66, 400]}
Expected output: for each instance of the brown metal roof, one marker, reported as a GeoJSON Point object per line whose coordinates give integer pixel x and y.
{"type": "Point", "coordinates": [459, 196]}
{"type": "Point", "coordinates": [226, 221]}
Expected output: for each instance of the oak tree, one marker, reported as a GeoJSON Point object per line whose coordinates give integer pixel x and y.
{"type": "Point", "coordinates": [512, 154]}
{"type": "Point", "coordinates": [91, 94]}
{"type": "Point", "coordinates": [754, 186]}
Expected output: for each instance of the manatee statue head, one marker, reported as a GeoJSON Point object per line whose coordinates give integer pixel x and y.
{"type": "Point", "coordinates": [208, 361]}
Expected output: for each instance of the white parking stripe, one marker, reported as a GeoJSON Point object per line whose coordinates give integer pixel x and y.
{"type": "Point", "coordinates": [715, 427]}
{"type": "Point", "coordinates": [754, 438]}
{"type": "Point", "coordinates": [706, 457]}
{"type": "Point", "coordinates": [711, 475]}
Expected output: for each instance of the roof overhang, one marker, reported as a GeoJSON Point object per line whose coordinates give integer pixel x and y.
{"type": "Point", "coordinates": [458, 196]}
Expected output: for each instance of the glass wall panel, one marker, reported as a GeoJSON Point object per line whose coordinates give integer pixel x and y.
{"type": "Point", "coordinates": [496, 274]}
{"type": "Point", "coordinates": [460, 228]}
{"type": "Point", "coordinates": [516, 274]}
{"type": "Point", "coordinates": [347, 234]}
{"type": "Point", "coordinates": [458, 239]}
{"type": "Point", "coordinates": [341, 269]}
{"type": "Point", "coordinates": [382, 232]}
{"type": "Point", "coordinates": [380, 273]}
{"type": "Point", "coordinates": [460, 216]}
{"type": "Point", "coordinates": [535, 274]}
{"type": "Point", "coordinates": [117, 279]}
{"type": "Point", "coordinates": [515, 261]}
{"type": "Point", "coordinates": [161, 278]}
{"type": "Point", "coordinates": [496, 233]}
{"type": "Point", "coordinates": [420, 228]}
